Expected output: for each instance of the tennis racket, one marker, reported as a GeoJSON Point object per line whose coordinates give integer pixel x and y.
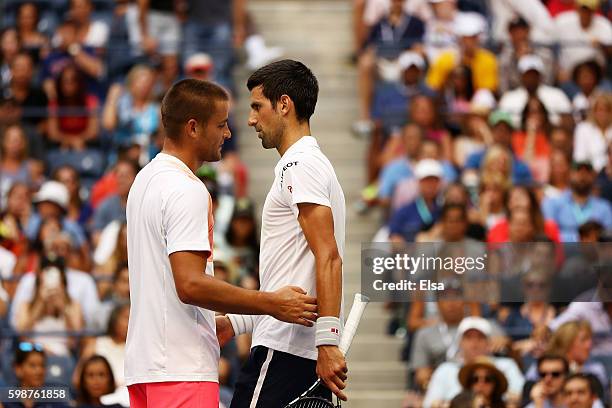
{"type": "Point", "coordinates": [309, 398]}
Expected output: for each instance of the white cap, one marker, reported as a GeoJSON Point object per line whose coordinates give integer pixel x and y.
{"type": "Point", "coordinates": [439, 1]}
{"type": "Point", "coordinates": [474, 323]}
{"type": "Point", "coordinates": [529, 62]}
{"type": "Point", "coordinates": [199, 60]}
{"type": "Point", "coordinates": [483, 101]}
{"type": "Point", "coordinates": [55, 192]}
{"type": "Point", "coordinates": [410, 58]}
{"type": "Point", "coordinates": [428, 168]}
{"type": "Point", "coordinates": [468, 24]}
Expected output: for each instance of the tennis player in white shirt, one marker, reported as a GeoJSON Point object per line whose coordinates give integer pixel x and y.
{"type": "Point", "coordinates": [302, 243]}
{"type": "Point", "coordinates": [172, 350]}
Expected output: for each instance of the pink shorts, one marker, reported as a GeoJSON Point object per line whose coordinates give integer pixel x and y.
{"type": "Point", "coordinates": [174, 395]}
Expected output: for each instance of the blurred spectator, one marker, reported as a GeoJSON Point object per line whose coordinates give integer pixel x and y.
{"type": "Point", "coordinates": [423, 113]}
{"type": "Point", "coordinates": [50, 310]}
{"type": "Point", "coordinates": [131, 114]}
{"type": "Point", "coordinates": [494, 185]}
{"type": "Point", "coordinates": [438, 342]}
{"type": "Point", "coordinates": [574, 341]}
{"type": "Point", "coordinates": [598, 314]}
{"type": "Point", "coordinates": [531, 143]}
{"type": "Point", "coordinates": [588, 78]}
{"type": "Point", "coordinates": [401, 168]}
{"type": "Point", "coordinates": [73, 116]}
{"type": "Point", "coordinates": [110, 254]}
{"type": "Point", "coordinates": [14, 218]}
{"type": "Point", "coordinates": [80, 287]}
{"type": "Point", "coordinates": [548, 391]}
{"type": "Point", "coordinates": [110, 346]}
{"type": "Point", "coordinates": [583, 35]}
{"type": "Point", "coordinates": [533, 71]}
{"type": "Point", "coordinates": [592, 136]}
{"type": "Point", "coordinates": [562, 139]}
{"type": "Point", "coordinates": [523, 198]}
{"type": "Point", "coordinates": [485, 381]}
{"type": "Point", "coordinates": [407, 189]}
{"type": "Point", "coordinates": [4, 302]}
{"type": "Point", "coordinates": [420, 215]}
{"type": "Point", "coordinates": [15, 165]}
{"type": "Point", "coordinates": [501, 129]}
{"type": "Point", "coordinates": [242, 238]}
{"type": "Point", "coordinates": [51, 201]}
{"type": "Point", "coordinates": [89, 33]}
{"type": "Point", "coordinates": [579, 392]}
{"type": "Point", "coordinates": [95, 381]}
{"type": "Point", "coordinates": [474, 334]}
{"type": "Point", "coordinates": [113, 207]}
{"type": "Point", "coordinates": [458, 91]}
{"type": "Point", "coordinates": [482, 63]}
{"type": "Point", "coordinates": [535, 14]}
{"type": "Point", "coordinates": [29, 367]}
{"type": "Point", "coordinates": [388, 38]}
{"type": "Point", "coordinates": [440, 33]}
{"type": "Point", "coordinates": [578, 205]}
{"type": "Point", "coordinates": [35, 43]}
{"type": "Point", "coordinates": [521, 44]}
{"type": "Point", "coordinates": [117, 295]}
{"type": "Point", "coordinates": [77, 211]}
{"type": "Point", "coordinates": [558, 177]}
{"type": "Point", "coordinates": [392, 97]}
{"type": "Point", "coordinates": [475, 133]}
{"type": "Point", "coordinates": [9, 48]}
{"type": "Point", "coordinates": [210, 28]}
{"type": "Point", "coordinates": [30, 101]}
{"type": "Point", "coordinates": [604, 179]}
{"type": "Point", "coordinates": [69, 51]}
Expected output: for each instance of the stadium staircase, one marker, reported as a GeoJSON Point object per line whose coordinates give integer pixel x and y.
{"type": "Point", "coordinates": [318, 33]}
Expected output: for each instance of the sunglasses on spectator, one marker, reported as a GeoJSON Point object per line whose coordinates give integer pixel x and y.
{"type": "Point", "coordinates": [487, 379]}
{"type": "Point", "coordinates": [26, 347]}
{"type": "Point", "coordinates": [553, 374]}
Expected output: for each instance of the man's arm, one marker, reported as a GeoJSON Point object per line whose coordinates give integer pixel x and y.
{"type": "Point", "coordinates": [289, 304]}
{"type": "Point", "coordinates": [317, 223]}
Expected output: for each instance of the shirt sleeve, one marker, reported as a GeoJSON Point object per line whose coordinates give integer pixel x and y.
{"type": "Point", "coordinates": [185, 220]}
{"type": "Point", "coordinates": [438, 72]}
{"type": "Point", "coordinates": [418, 355]}
{"type": "Point", "coordinates": [304, 182]}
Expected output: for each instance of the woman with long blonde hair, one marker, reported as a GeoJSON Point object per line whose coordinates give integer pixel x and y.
{"type": "Point", "coordinates": [591, 137]}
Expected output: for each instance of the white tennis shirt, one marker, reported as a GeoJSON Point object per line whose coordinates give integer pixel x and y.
{"type": "Point", "coordinates": [302, 175]}
{"type": "Point", "coordinates": [168, 210]}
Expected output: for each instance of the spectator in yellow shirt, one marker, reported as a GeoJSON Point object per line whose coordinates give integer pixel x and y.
{"type": "Point", "coordinates": [482, 62]}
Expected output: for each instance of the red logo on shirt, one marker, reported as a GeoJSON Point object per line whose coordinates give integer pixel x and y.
{"type": "Point", "coordinates": [335, 330]}
{"type": "Point", "coordinates": [290, 189]}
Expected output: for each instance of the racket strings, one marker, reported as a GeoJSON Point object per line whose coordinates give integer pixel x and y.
{"type": "Point", "coordinates": [312, 402]}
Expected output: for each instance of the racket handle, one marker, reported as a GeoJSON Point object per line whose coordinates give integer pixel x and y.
{"type": "Point", "coordinates": [350, 327]}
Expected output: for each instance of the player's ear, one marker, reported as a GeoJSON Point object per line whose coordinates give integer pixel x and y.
{"type": "Point", "coordinates": [285, 104]}
{"type": "Point", "coordinates": [191, 128]}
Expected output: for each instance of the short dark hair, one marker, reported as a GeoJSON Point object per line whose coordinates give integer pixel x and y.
{"type": "Point", "coordinates": [189, 99]}
{"type": "Point", "coordinates": [594, 384]}
{"type": "Point", "coordinates": [589, 227]}
{"type": "Point", "coordinates": [554, 357]}
{"type": "Point", "coordinates": [447, 208]}
{"type": "Point", "coordinates": [291, 78]}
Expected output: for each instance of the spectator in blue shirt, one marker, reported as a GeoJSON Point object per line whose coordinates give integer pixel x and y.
{"type": "Point", "coordinates": [578, 205]}
{"type": "Point", "coordinates": [113, 208]}
{"type": "Point", "coordinates": [421, 214]}
{"type": "Point", "coordinates": [391, 98]}
{"type": "Point", "coordinates": [502, 128]}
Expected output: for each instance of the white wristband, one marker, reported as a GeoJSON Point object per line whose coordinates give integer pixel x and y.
{"type": "Point", "coordinates": [241, 323]}
{"type": "Point", "coordinates": [327, 331]}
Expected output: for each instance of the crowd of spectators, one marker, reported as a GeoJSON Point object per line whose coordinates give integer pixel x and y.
{"type": "Point", "coordinates": [80, 86]}
{"type": "Point", "coordinates": [490, 124]}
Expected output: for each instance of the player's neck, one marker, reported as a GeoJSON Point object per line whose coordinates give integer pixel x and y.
{"type": "Point", "coordinates": [292, 135]}
{"type": "Point", "coordinates": [185, 155]}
